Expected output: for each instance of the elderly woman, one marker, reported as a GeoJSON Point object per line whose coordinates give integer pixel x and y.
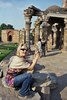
{"type": "Point", "coordinates": [16, 76]}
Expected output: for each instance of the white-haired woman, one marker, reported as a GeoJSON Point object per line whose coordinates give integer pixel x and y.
{"type": "Point", "coordinates": [16, 77]}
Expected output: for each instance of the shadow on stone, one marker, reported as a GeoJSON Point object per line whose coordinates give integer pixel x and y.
{"type": "Point", "coordinates": [62, 84]}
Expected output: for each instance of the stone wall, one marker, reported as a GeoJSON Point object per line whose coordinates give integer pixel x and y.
{"type": "Point", "coordinates": [4, 36]}
{"type": "Point", "coordinates": [14, 36]}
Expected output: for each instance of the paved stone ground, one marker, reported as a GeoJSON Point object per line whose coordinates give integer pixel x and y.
{"type": "Point", "coordinates": [55, 62]}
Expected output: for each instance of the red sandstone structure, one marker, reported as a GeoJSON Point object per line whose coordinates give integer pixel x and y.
{"type": "Point", "coordinates": [14, 36]}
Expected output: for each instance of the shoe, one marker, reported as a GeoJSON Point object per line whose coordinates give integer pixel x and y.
{"type": "Point", "coordinates": [31, 94]}
{"type": "Point", "coordinates": [33, 88]}
{"type": "Point", "coordinates": [22, 97]}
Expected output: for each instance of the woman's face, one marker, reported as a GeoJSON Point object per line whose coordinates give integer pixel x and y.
{"type": "Point", "coordinates": [23, 52]}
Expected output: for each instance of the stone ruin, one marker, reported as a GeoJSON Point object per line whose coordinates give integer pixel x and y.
{"type": "Point", "coordinates": [51, 25]}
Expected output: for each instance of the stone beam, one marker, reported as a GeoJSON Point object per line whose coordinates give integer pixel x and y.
{"type": "Point", "coordinates": [57, 15]}
{"type": "Point", "coordinates": [34, 8]}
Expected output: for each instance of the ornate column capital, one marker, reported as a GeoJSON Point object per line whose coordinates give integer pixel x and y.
{"type": "Point", "coordinates": [45, 24]}
{"type": "Point", "coordinates": [28, 12]}
{"type": "Point", "coordinates": [37, 24]}
{"type": "Point", "coordinates": [45, 18]}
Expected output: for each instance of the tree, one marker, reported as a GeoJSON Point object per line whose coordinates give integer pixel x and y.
{"type": "Point", "coordinates": [3, 26]}
{"type": "Point", "coordinates": [9, 26]}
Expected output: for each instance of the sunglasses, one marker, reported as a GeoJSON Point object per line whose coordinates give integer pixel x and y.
{"type": "Point", "coordinates": [23, 49]}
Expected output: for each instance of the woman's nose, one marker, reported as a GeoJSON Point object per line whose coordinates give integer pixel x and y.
{"type": "Point", "coordinates": [24, 50]}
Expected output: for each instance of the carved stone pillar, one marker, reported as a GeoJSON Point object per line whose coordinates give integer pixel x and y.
{"type": "Point", "coordinates": [49, 42]}
{"type": "Point", "coordinates": [54, 36]}
{"type": "Point", "coordinates": [49, 35]}
{"type": "Point", "coordinates": [54, 29]}
{"type": "Point", "coordinates": [28, 15]}
{"type": "Point", "coordinates": [45, 35]}
{"type": "Point", "coordinates": [65, 36]}
{"type": "Point", "coordinates": [23, 36]}
{"type": "Point", "coordinates": [27, 27]}
{"type": "Point", "coordinates": [44, 30]}
{"type": "Point", "coordinates": [57, 37]}
{"type": "Point", "coordinates": [37, 31]}
{"type": "Point", "coordinates": [62, 36]}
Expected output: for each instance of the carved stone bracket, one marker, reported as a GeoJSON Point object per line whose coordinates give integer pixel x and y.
{"type": "Point", "coordinates": [36, 24]}
{"type": "Point", "coordinates": [28, 12]}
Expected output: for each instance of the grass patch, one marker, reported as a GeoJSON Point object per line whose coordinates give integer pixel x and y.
{"type": "Point", "coordinates": [5, 49]}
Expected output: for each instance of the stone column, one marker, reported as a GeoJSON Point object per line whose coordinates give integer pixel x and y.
{"type": "Point", "coordinates": [49, 35]}
{"type": "Point", "coordinates": [45, 33]}
{"type": "Point", "coordinates": [57, 36]}
{"type": "Point", "coordinates": [65, 36]}
{"type": "Point", "coordinates": [49, 42]}
{"type": "Point", "coordinates": [54, 29]}
{"type": "Point", "coordinates": [22, 36]}
{"type": "Point", "coordinates": [44, 30]}
{"type": "Point", "coordinates": [27, 27]}
{"type": "Point", "coordinates": [54, 36]}
{"type": "Point", "coordinates": [28, 15]}
{"type": "Point", "coordinates": [62, 36]}
{"type": "Point", "coordinates": [37, 31]}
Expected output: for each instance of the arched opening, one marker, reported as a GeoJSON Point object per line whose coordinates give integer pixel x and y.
{"type": "Point", "coordinates": [10, 38]}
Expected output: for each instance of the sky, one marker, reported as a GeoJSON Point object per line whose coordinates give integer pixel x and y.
{"type": "Point", "coordinates": [12, 11]}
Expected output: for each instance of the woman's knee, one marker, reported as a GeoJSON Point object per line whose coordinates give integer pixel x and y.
{"type": "Point", "coordinates": [26, 75]}
{"type": "Point", "coordinates": [29, 75]}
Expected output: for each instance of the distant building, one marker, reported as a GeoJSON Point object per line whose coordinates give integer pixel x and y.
{"type": "Point", "coordinates": [14, 36]}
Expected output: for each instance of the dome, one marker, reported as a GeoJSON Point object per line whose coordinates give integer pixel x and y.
{"type": "Point", "coordinates": [52, 9]}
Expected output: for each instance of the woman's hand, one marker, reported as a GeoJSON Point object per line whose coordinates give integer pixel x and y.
{"type": "Point", "coordinates": [36, 55]}
{"type": "Point", "coordinates": [34, 62]}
